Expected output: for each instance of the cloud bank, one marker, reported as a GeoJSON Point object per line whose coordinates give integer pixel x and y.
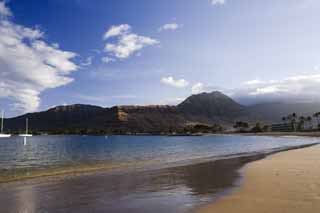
{"type": "Point", "coordinates": [29, 65]}
{"type": "Point", "coordinates": [300, 88]}
{"type": "Point", "coordinates": [4, 10]}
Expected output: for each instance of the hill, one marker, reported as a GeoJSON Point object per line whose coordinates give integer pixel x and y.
{"type": "Point", "coordinates": [273, 112]}
{"type": "Point", "coordinates": [205, 108]}
{"type": "Point", "coordinates": [214, 107]}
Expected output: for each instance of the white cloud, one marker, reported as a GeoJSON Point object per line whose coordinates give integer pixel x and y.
{"type": "Point", "coordinates": [29, 65]}
{"type": "Point", "coordinates": [253, 82]}
{"type": "Point", "coordinates": [87, 61]}
{"type": "Point", "coordinates": [200, 88]}
{"type": "Point", "coordinates": [170, 81]}
{"type": "Point", "coordinates": [107, 59]}
{"type": "Point", "coordinates": [4, 10]}
{"type": "Point", "coordinates": [117, 30]}
{"type": "Point", "coordinates": [171, 26]}
{"type": "Point", "coordinates": [300, 88]}
{"type": "Point", "coordinates": [197, 88]}
{"type": "Point", "coordinates": [217, 2]}
{"type": "Point", "coordinates": [127, 42]}
{"type": "Point", "coordinates": [295, 88]}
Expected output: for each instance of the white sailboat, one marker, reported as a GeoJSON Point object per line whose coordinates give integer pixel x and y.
{"type": "Point", "coordinates": [26, 134]}
{"type": "Point", "coordinates": [2, 135]}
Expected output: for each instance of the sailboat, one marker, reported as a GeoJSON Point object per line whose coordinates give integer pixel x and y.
{"type": "Point", "coordinates": [2, 135]}
{"type": "Point", "coordinates": [26, 134]}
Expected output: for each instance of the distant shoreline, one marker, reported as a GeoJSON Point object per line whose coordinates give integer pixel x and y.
{"type": "Point", "coordinates": [294, 134]}
{"type": "Point", "coordinates": [298, 134]}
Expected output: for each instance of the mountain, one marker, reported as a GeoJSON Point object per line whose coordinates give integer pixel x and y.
{"type": "Point", "coordinates": [273, 112]}
{"type": "Point", "coordinates": [210, 107]}
{"type": "Point", "coordinates": [205, 108]}
{"type": "Point", "coordinates": [155, 118]}
{"type": "Point", "coordinates": [118, 119]}
{"type": "Point", "coordinates": [72, 116]}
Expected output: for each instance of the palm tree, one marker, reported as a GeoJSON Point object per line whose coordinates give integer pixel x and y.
{"type": "Point", "coordinates": [302, 120]}
{"type": "Point", "coordinates": [292, 118]}
{"type": "Point", "coordinates": [241, 126]}
{"type": "Point", "coordinates": [317, 115]}
{"type": "Point", "coordinates": [284, 119]}
{"type": "Point", "coordinates": [309, 119]}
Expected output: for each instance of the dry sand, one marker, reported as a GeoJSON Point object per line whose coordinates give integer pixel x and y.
{"type": "Point", "coordinates": [285, 182]}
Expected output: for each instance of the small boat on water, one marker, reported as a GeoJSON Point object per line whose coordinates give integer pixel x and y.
{"type": "Point", "coordinates": [2, 135]}
{"type": "Point", "coordinates": [26, 133]}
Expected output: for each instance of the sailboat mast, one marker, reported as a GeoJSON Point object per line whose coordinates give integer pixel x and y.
{"type": "Point", "coordinates": [26, 126]}
{"type": "Point", "coordinates": [2, 115]}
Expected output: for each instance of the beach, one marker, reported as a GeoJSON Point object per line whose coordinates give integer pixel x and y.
{"type": "Point", "coordinates": [284, 182]}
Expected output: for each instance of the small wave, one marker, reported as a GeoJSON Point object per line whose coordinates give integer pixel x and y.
{"type": "Point", "coordinates": [10, 175]}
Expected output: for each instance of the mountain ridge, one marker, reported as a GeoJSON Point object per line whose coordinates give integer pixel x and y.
{"type": "Point", "coordinates": [204, 108]}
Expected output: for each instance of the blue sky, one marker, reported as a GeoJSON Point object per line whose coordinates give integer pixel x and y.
{"type": "Point", "coordinates": [116, 52]}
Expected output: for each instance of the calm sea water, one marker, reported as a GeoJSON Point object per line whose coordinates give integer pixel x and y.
{"type": "Point", "coordinates": [172, 187]}
{"type": "Point", "coordinates": [44, 151]}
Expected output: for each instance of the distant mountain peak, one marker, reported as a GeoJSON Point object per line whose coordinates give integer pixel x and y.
{"type": "Point", "coordinates": [210, 95]}
{"type": "Point", "coordinates": [213, 105]}
{"type": "Point", "coordinates": [213, 93]}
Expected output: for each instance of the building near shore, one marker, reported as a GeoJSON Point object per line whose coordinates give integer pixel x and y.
{"type": "Point", "coordinates": [283, 127]}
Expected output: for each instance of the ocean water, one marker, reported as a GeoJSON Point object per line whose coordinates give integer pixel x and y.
{"type": "Point", "coordinates": [46, 151]}
{"type": "Point", "coordinates": [181, 174]}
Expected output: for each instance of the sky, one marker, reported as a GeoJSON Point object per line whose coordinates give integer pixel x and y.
{"type": "Point", "coordinates": [122, 52]}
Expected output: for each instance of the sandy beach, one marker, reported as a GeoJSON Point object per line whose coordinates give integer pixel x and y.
{"type": "Point", "coordinates": [284, 182]}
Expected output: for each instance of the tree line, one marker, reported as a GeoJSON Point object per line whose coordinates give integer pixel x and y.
{"type": "Point", "coordinates": [302, 123]}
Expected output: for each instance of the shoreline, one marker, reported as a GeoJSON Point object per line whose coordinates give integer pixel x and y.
{"type": "Point", "coordinates": [283, 182]}
{"type": "Point", "coordinates": [285, 134]}
{"type": "Point", "coordinates": [274, 134]}
{"type": "Point", "coordinates": [302, 134]}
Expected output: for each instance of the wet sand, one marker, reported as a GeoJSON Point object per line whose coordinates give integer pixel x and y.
{"type": "Point", "coordinates": [175, 189]}
{"type": "Point", "coordinates": [12, 175]}
{"type": "Point", "coordinates": [287, 182]}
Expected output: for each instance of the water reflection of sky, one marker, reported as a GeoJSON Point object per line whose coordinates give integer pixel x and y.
{"type": "Point", "coordinates": [64, 150]}
{"type": "Point", "coordinates": [176, 189]}
{"type": "Point", "coordinates": [169, 189]}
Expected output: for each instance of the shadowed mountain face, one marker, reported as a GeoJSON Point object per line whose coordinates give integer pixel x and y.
{"type": "Point", "coordinates": [118, 119]}
{"type": "Point", "coordinates": [210, 107]}
{"type": "Point", "coordinates": [73, 116]}
{"type": "Point", "coordinates": [206, 108]}
{"type": "Point", "coordinates": [273, 112]}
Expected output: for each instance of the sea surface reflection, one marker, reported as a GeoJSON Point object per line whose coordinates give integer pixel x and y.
{"type": "Point", "coordinates": [189, 171]}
